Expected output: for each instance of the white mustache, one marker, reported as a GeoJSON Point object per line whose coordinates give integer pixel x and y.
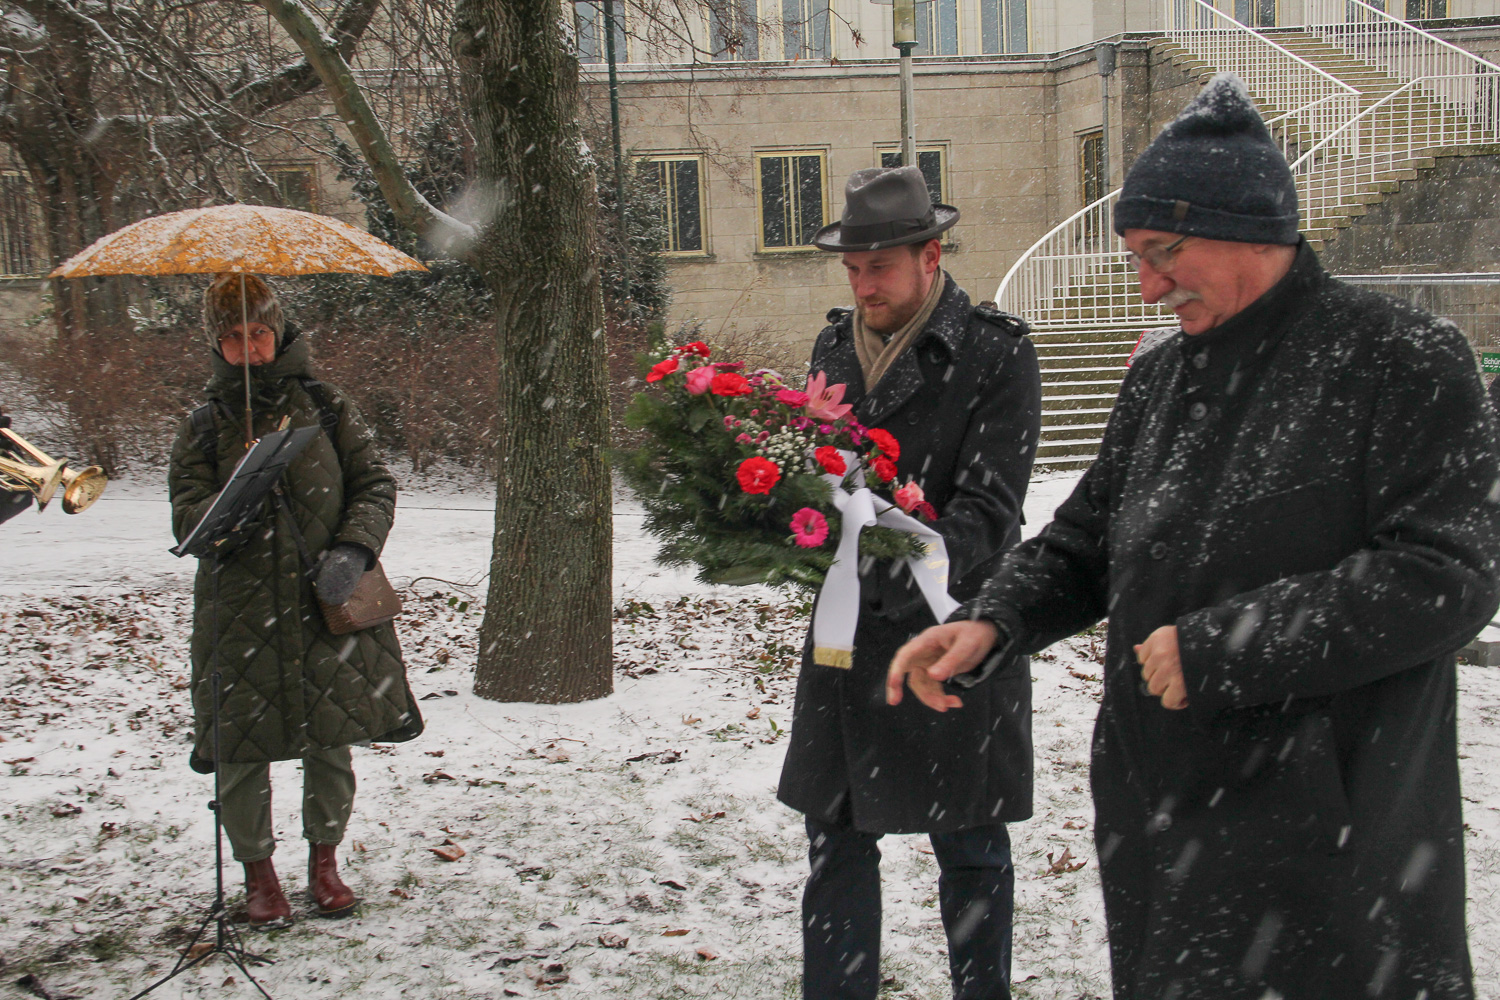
{"type": "Point", "coordinates": [1179, 297]}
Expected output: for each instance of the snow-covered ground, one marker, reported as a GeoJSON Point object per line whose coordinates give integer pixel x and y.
{"type": "Point", "coordinates": [627, 847]}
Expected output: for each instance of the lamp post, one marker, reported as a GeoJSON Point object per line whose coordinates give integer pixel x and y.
{"type": "Point", "coordinates": [904, 37]}
{"type": "Point", "coordinates": [614, 105]}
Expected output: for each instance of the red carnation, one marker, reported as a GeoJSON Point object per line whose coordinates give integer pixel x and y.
{"type": "Point", "coordinates": [926, 510]}
{"type": "Point", "coordinates": [832, 462]}
{"type": "Point", "coordinates": [661, 370]}
{"type": "Point", "coordinates": [697, 347]}
{"type": "Point", "coordinates": [884, 468]}
{"type": "Point", "coordinates": [730, 384]}
{"type": "Point", "coordinates": [886, 442]}
{"type": "Point", "coordinates": [758, 475]}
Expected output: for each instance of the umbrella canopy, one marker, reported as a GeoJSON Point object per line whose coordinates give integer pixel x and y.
{"type": "Point", "coordinates": [238, 239]}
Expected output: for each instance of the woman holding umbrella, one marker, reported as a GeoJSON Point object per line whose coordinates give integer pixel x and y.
{"type": "Point", "coordinates": [291, 689]}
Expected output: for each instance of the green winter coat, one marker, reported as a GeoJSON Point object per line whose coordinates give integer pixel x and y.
{"type": "Point", "coordinates": [288, 684]}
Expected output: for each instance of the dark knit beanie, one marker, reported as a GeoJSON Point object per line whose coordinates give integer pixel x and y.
{"type": "Point", "coordinates": [222, 310]}
{"type": "Point", "coordinates": [1214, 172]}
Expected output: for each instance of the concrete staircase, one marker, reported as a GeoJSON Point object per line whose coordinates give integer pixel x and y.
{"type": "Point", "coordinates": [1082, 367]}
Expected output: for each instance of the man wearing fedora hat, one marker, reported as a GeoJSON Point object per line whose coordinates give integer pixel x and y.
{"type": "Point", "coordinates": [958, 386]}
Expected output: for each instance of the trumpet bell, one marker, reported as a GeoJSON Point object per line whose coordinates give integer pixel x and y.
{"type": "Point", "coordinates": [82, 488]}
{"type": "Point", "coordinates": [26, 468]}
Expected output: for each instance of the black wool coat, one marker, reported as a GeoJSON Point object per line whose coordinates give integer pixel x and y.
{"type": "Point", "coordinates": [964, 401]}
{"type": "Point", "coordinates": [1308, 493]}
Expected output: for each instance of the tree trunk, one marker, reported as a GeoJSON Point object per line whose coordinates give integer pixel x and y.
{"type": "Point", "coordinates": [77, 200]}
{"type": "Point", "coordinates": [546, 631]}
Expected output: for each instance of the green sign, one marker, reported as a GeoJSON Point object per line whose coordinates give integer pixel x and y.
{"type": "Point", "coordinates": [1490, 362]}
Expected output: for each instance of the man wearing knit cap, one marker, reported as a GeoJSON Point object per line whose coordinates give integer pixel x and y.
{"type": "Point", "coordinates": [1291, 526]}
{"type": "Point", "coordinates": [957, 385]}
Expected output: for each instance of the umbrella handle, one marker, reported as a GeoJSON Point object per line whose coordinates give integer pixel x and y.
{"type": "Point", "coordinates": [245, 360]}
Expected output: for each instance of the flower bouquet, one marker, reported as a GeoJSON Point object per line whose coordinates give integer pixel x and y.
{"type": "Point", "coordinates": [733, 465]}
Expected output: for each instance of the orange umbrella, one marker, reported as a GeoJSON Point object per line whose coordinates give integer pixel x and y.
{"type": "Point", "coordinates": [238, 239]}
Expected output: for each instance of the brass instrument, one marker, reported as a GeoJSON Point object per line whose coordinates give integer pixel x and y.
{"type": "Point", "coordinates": [25, 468]}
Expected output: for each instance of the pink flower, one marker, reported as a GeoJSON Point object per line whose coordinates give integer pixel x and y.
{"type": "Point", "coordinates": [698, 379]}
{"type": "Point", "coordinates": [824, 401]}
{"type": "Point", "coordinates": [908, 496]}
{"type": "Point", "coordinates": [825, 428]}
{"type": "Point", "coordinates": [791, 397]}
{"type": "Point", "coordinates": [925, 510]}
{"type": "Point", "coordinates": [730, 423]}
{"type": "Point", "coordinates": [697, 347]}
{"type": "Point", "coordinates": [744, 439]}
{"type": "Point", "coordinates": [809, 528]}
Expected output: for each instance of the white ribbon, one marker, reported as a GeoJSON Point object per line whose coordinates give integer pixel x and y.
{"type": "Point", "coordinates": [837, 614]}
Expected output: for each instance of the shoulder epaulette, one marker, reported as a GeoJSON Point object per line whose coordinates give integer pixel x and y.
{"type": "Point", "coordinates": [838, 314]}
{"type": "Point", "coordinates": [1010, 323]}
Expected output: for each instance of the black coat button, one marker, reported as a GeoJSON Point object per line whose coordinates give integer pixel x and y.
{"type": "Point", "coordinates": [912, 418]}
{"type": "Point", "coordinates": [1198, 411]}
{"type": "Point", "coordinates": [1200, 360]}
{"type": "Point", "coordinates": [1158, 550]}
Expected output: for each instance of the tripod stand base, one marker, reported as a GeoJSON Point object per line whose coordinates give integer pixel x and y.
{"type": "Point", "coordinates": [226, 942]}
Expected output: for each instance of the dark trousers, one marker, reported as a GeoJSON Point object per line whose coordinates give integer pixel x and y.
{"type": "Point", "coordinates": [841, 912]}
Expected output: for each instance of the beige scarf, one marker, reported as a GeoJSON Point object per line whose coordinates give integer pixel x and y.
{"type": "Point", "coordinates": [878, 353]}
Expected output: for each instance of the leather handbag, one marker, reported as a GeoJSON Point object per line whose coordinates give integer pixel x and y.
{"type": "Point", "coordinates": [374, 602]}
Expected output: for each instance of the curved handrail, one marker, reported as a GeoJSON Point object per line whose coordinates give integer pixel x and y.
{"type": "Point", "coordinates": [1231, 25]}
{"type": "Point", "coordinates": [1394, 23]}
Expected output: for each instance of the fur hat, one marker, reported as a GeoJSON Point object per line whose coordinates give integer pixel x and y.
{"type": "Point", "coordinates": [1213, 172]}
{"type": "Point", "coordinates": [222, 310]}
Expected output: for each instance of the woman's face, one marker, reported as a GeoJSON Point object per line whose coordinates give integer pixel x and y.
{"type": "Point", "coordinates": [260, 344]}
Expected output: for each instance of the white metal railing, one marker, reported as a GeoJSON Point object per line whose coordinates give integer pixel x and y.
{"type": "Point", "coordinates": [1078, 275]}
{"type": "Point", "coordinates": [1390, 136]}
{"type": "Point", "coordinates": [1280, 79]}
{"type": "Point", "coordinates": [1397, 48]}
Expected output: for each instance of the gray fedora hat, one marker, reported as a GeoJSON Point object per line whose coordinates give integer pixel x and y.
{"type": "Point", "coordinates": [885, 207]}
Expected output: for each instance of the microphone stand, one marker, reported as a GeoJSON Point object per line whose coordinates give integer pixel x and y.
{"type": "Point", "coordinates": [226, 939]}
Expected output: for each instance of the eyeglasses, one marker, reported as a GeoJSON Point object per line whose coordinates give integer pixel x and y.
{"type": "Point", "coordinates": [1162, 259]}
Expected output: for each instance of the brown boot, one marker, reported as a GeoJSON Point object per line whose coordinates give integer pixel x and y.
{"type": "Point", "coordinates": [334, 898]}
{"type": "Point", "coordinates": [264, 901]}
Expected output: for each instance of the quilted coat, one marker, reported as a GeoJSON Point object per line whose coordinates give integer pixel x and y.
{"type": "Point", "coordinates": [964, 401]}
{"type": "Point", "coordinates": [1308, 493]}
{"type": "Point", "coordinates": [288, 684]}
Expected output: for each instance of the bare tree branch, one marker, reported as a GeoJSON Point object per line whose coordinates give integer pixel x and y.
{"type": "Point", "coordinates": [414, 211]}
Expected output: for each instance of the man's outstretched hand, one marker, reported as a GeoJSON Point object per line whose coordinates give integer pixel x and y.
{"type": "Point", "coordinates": [936, 655]}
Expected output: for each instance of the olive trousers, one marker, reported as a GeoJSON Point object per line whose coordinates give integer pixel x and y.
{"type": "Point", "coordinates": [245, 802]}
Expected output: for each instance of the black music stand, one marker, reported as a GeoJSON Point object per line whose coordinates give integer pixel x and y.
{"type": "Point", "coordinates": [227, 518]}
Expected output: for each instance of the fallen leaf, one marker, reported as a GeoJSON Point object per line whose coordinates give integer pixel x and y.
{"type": "Point", "coordinates": [754, 713]}
{"type": "Point", "coordinates": [703, 818]}
{"type": "Point", "coordinates": [66, 809]}
{"type": "Point", "coordinates": [198, 950]}
{"type": "Point", "coordinates": [437, 776]}
{"type": "Point", "coordinates": [429, 696]}
{"type": "Point", "coordinates": [359, 846]}
{"type": "Point", "coordinates": [676, 932]}
{"type": "Point", "coordinates": [672, 883]}
{"type": "Point", "coordinates": [690, 720]}
{"type": "Point", "coordinates": [22, 760]}
{"type": "Point", "coordinates": [609, 939]}
{"type": "Point", "coordinates": [707, 954]}
{"type": "Point", "coordinates": [1070, 825]}
{"type": "Point", "coordinates": [401, 894]}
{"type": "Point", "coordinates": [1061, 866]}
{"type": "Point", "coordinates": [435, 753]}
{"type": "Point", "coordinates": [449, 851]}
{"type": "Point", "coordinates": [629, 760]}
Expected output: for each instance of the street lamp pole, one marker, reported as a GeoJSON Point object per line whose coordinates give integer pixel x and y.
{"type": "Point", "coordinates": [614, 105]}
{"type": "Point", "coordinates": [904, 36]}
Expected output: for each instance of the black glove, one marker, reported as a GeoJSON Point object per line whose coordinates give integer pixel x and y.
{"type": "Point", "coordinates": [340, 570]}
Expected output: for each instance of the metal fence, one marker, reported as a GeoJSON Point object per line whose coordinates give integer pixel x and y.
{"type": "Point", "coordinates": [1471, 300]}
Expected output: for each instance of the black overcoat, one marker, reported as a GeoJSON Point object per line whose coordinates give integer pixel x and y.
{"type": "Point", "coordinates": [964, 401]}
{"type": "Point", "coordinates": [1309, 493]}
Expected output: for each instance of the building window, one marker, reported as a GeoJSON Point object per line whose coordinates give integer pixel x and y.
{"type": "Point", "coordinates": [1256, 13]}
{"type": "Point", "coordinates": [590, 24]}
{"type": "Point", "coordinates": [295, 187]}
{"type": "Point", "coordinates": [733, 29]}
{"type": "Point", "coordinates": [21, 250]}
{"type": "Point", "coordinates": [937, 28]}
{"type": "Point", "coordinates": [792, 198]}
{"type": "Point", "coordinates": [676, 184]}
{"type": "Point", "coordinates": [1422, 10]}
{"type": "Point", "coordinates": [1004, 26]}
{"type": "Point", "coordinates": [932, 161]}
{"type": "Point", "coordinates": [805, 28]}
